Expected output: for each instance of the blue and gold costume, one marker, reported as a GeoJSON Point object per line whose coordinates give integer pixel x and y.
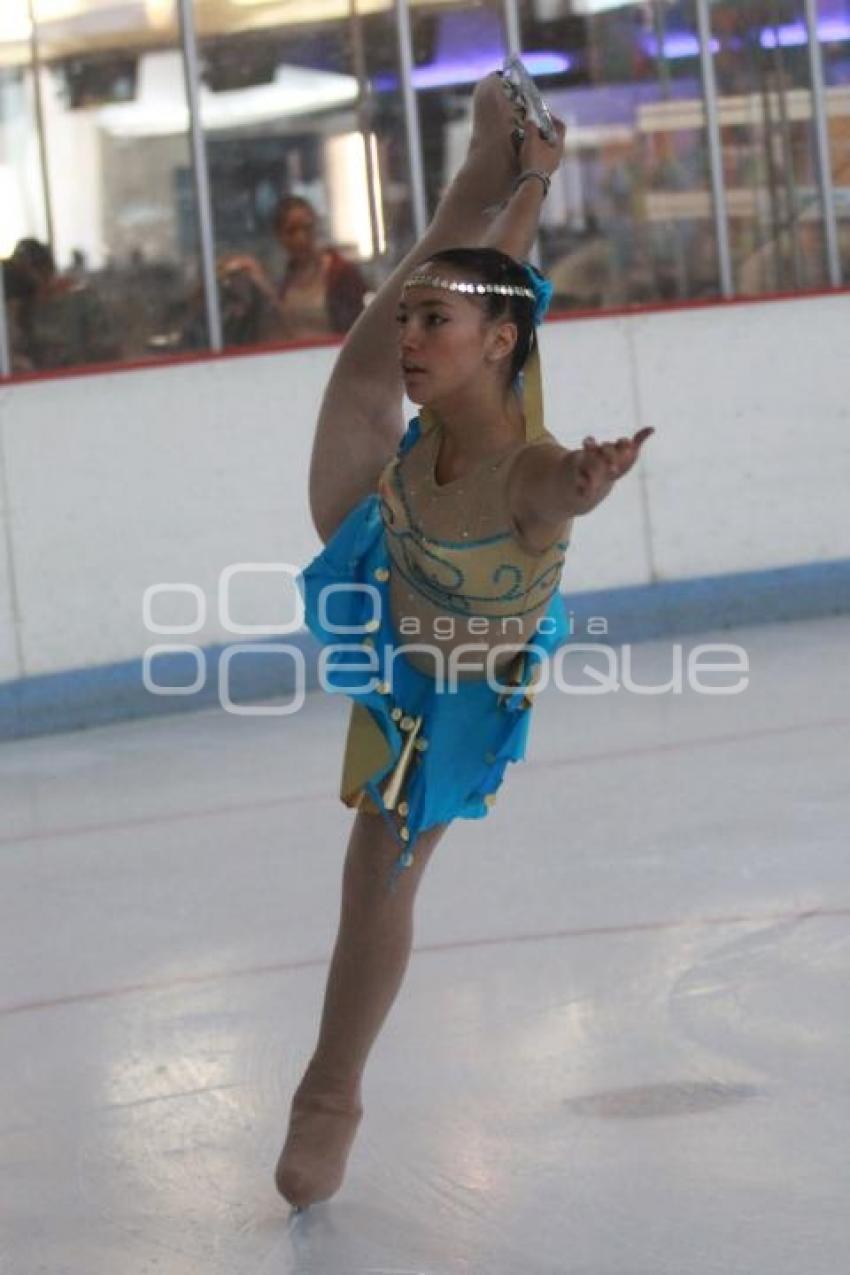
{"type": "Point", "coordinates": [408, 557]}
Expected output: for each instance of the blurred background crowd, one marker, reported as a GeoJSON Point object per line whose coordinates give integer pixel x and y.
{"type": "Point", "coordinates": [327, 137]}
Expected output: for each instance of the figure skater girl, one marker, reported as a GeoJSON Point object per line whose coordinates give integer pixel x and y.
{"type": "Point", "coordinates": [464, 518]}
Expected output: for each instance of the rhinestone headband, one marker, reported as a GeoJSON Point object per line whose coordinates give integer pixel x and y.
{"type": "Point", "coordinates": [423, 279]}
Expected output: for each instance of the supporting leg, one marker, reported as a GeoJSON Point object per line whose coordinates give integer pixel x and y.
{"type": "Point", "coordinates": [367, 969]}
{"type": "Point", "coordinates": [360, 420]}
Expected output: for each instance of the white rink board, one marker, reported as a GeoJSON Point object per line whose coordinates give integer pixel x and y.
{"type": "Point", "coordinates": [117, 482]}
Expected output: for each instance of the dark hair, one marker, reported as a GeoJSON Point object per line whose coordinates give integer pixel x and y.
{"type": "Point", "coordinates": [19, 284]}
{"type": "Point", "coordinates": [37, 255]}
{"type": "Point", "coordinates": [489, 265]}
{"type": "Point", "coordinates": [287, 204]}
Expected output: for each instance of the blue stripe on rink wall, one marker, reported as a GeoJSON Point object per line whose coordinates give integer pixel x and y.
{"type": "Point", "coordinates": [636, 613]}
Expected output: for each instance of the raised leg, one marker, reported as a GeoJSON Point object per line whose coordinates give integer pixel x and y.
{"type": "Point", "coordinates": [360, 420]}
{"type": "Point", "coordinates": [367, 969]}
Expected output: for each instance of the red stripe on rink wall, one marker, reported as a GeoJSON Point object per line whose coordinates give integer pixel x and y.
{"type": "Point", "coordinates": [317, 343]}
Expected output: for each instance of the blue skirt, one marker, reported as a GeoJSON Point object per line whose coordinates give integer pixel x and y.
{"type": "Point", "coordinates": [417, 754]}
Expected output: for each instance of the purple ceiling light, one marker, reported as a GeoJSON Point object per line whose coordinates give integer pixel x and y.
{"type": "Point", "coordinates": [682, 44]}
{"type": "Point", "coordinates": [679, 44]}
{"type": "Point", "coordinates": [470, 45]}
{"type": "Point", "coordinates": [831, 30]}
{"type": "Point", "coordinates": [469, 70]}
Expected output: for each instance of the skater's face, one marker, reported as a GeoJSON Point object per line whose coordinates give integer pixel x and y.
{"type": "Point", "coordinates": [447, 344]}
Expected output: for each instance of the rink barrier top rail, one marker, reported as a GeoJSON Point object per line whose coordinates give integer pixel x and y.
{"type": "Point", "coordinates": [315, 343]}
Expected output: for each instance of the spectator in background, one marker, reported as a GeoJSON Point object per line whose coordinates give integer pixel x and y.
{"type": "Point", "coordinates": [17, 287]}
{"type": "Point", "coordinates": [583, 277]}
{"type": "Point", "coordinates": [321, 293]}
{"type": "Point", "coordinates": [59, 321]}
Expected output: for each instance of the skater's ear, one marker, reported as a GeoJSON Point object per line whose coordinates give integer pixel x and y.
{"type": "Point", "coordinates": [501, 341]}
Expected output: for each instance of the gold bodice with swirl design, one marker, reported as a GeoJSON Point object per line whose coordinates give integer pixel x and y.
{"type": "Point", "coordinates": [458, 571]}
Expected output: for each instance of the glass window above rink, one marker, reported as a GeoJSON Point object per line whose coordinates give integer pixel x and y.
{"type": "Point", "coordinates": [774, 205]}
{"type": "Point", "coordinates": [455, 44]}
{"type": "Point", "coordinates": [707, 156]}
{"type": "Point", "coordinates": [23, 210]}
{"type": "Point", "coordinates": [301, 107]}
{"type": "Point", "coordinates": [630, 220]}
{"type": "Point", "coordinates": [94, 126]}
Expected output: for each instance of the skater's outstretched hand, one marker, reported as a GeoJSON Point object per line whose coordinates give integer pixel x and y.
{"type": "Point", "coordinates": [549, 485]}
{"type": "Point", "coordinates": [595, 467]}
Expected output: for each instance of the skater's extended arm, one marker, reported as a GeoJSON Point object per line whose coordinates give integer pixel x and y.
{"type": "Point", "coordinates": [549, 484]}
{"type": "Point", "coordinates": [515, 227]}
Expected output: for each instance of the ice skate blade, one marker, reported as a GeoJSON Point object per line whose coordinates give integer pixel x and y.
{"type": "Point", "coordinates": [522, 91]}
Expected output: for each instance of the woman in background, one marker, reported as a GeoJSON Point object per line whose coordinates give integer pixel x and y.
{"type": "Point", "coordinates": [321, 293]}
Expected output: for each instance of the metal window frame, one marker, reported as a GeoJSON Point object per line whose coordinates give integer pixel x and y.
{"type": "Point", "coordinates": [364, 121]}
{"type": "Point", "coordinates": [822, 149]}
{"type": "Point", "coordinates": [411, 119]}
{"type": "Point", "coordinates": [200, 173]}
{"type": "Point", "coordinates": [715, 149]}
{"type": "Point", "coordinates": [513, 28]}
{"type": "Point", "coordinates": [513, 42]}
{"type": "Point", "coordinates": [41, 131]}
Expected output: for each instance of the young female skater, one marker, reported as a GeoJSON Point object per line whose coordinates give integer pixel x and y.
{"type": "Point", "coordinates": [464, 518]}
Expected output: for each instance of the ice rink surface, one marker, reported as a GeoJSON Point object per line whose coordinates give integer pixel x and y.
{"type": "Point", "coordinates": [623, 1043]}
